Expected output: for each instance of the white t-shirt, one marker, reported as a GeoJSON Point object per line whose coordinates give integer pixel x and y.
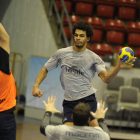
{"type": "Point", "coordinates": [77, 71]}
{"type": "Point", "coordinates": [64, 132]}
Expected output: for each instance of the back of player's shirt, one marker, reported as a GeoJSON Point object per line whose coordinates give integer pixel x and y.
{"type": "Point", "coordinates": [64, 132]}
{"type": "Point", "coordinates": [77, 71]}
{"type": "Point", "coordinates": [7, 85]}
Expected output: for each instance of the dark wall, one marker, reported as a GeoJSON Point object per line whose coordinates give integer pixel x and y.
{"type": "Point", "coordinates": [3, 7]}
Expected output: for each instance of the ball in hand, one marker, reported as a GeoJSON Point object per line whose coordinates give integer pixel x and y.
{"type": "Point", "coordinates": [126, 54]}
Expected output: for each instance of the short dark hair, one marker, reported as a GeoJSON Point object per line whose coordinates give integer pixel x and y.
{"type": "Point", "coordinates": [81, 114]}
{"type": "Point", "coordinates": [85, 26]}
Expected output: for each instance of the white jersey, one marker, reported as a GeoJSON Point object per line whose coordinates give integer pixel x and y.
{"type": "Point", "coordinates": [64, 132]}
{"type": "Point", "coordinates": [77, 71]}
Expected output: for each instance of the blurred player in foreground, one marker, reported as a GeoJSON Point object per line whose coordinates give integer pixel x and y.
{"type": "Point", "coordinates": [80, 130]}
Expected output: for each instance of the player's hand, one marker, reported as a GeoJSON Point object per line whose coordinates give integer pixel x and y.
{"type": "Point", "coordinates": [122, 64]}
{"type": "Point", "coordinates": [50, 106]}
{"type": "Point", "coordinates": [100, 112]}
{"type": "Point", "coordinates": [36, 92]}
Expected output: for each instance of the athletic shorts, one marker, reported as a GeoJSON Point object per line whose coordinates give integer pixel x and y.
{"type": "Point", "coordinates": [7, 126]}
{"type": "Point", "coordinates": [68, 107]}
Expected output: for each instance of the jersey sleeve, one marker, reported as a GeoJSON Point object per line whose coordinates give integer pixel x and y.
{"type": "Point", "coordinates": [53, 62]}
{"type": "Point", "coordinates": [99, 65]}
{"type": "Point", "coordinates": [50, 132]}
{"type": "Point", "coordinates": [4, 61]}
{"type": "Point", "coordinates": [106, 136]}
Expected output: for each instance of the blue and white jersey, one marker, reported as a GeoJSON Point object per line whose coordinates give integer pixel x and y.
{"type": "Point", "coordinates": [77, 71]}
{"type": "Point", "coordinates": [64, 132]}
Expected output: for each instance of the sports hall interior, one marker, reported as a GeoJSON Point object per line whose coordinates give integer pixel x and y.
{"type": "Point", "coordinates": [41, 27]}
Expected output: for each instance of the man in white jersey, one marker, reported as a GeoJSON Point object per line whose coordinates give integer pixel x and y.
{"type": "Point", "coordinates": [78, 68]}
{"type": "Point", "coordinates": [80, 130]}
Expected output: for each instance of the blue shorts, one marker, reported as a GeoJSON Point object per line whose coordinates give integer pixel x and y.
{"type": "Point", "coordinates": [7, 126]}
{"type": "Point", "coordinates": [68, 107]}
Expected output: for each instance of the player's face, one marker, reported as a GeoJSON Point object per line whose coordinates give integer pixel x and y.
{"type": "Point", "coordinates": [80, 38]}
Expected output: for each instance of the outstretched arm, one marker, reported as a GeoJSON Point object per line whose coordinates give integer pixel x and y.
{"type": "Point", "coordinates": [50, 108]}
{"type": "Point", "coordinates": [46, 121]}
{"type": "Point", "coordinates": [4, 39]}
{"type": "Point", "coordinates": [100, 115]}
{"type": "Point", "coordinates": [107, 77]}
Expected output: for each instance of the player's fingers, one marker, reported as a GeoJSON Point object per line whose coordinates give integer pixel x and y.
{"type": "Point", "coordinates": [135, 58]}
{"type": "Point", "coordinates": [98, 105]}
{"type": "Point", "coordinates": [103, 105]}
{"type": "Point", "coordinates": [54, 99]}
{"type": "Point", "coordinates": [48, 99]}
{"type": "Point", "coordinates": [51, 98]}
{"type": "Point", "coordinates": [132, 61]}
{"type": "Point", "coordinates": [58, 111]}
{"type": "Point", "coordinates": [93, 114]}
{"type": "Point", "coordinates": [106, 109]}
{"type": "Point", "coordinates": [44, 103]}
{"type": "Point", "coordinates": [35, 95]}
{"type": "Point", "coordinates": [130, 64]}
{"type": "Point", "coordinates": [41, 94]}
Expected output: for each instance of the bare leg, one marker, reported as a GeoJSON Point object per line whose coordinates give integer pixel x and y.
{"type": "Point", "coordinates": [93, 123]}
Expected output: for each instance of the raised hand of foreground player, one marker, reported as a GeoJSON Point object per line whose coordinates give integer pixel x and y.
{"type": "Point", "coordinates": [100, 112]}
{"type": "Point", "coordinates": [50, 106]}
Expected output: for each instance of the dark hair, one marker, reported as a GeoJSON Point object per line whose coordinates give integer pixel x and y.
{"type": "Point", "coordinates": [81, 114]}
{"type": "Point", "coordinates": [85, 26]}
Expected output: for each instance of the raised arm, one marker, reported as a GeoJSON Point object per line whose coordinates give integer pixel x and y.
{"type": "Point", "coordinates": [100, 115]}
{"type": "Point", "coordinates": [40, 77]}
{"type": "Point", "coordinates": [49, 108]}
{"type": "Point", "coordinates": [4, 39]}
{"type": "Point", "coordinates": [107, 77]}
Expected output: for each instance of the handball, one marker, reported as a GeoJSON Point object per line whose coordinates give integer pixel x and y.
{"type": "Point", "coordinates": [126, 54]}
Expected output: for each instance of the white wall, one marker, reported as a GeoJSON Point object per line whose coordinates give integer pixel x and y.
{"type": "Point", "coordinates": [30, 34]}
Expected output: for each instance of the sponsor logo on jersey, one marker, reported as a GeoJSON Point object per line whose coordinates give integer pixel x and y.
{"type": "Point", "coordinates": [73, 70]}
{"type": "Point", "coordinates": [2, 100]}
{"type": "Point", "coordinates": [83, 135]}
